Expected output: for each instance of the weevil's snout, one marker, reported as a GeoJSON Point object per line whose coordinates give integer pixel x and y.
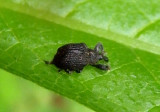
{"type": "Point", "coordinates": [105, 58]}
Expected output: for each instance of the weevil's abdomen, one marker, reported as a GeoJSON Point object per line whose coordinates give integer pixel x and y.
{"type": "Point", "coordinates": [71, 57]}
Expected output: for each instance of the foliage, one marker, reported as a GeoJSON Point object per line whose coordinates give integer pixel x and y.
{"type": "Point", "coordinates": [32, 30]}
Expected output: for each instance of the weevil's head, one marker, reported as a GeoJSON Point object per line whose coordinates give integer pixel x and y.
{"type": "Point", "coordinates": [96, 54]}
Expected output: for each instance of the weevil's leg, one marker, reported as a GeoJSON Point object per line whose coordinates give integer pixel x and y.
{"type": "Point", "coordinates": [102, 67]}
{"type": "Point", "coordinates": [98, 48]}
{"type": "Point", "coordinates": [46, 62]}
{"type": "Point", "coordinates": [68, 71]}
{"type": "Point", "coordinates": [105, 58]}
{"type": "Point", "coordinates": [78, 71]}
{"type": "Point", "coordinates": [59, 70]}
{"type": "Point", "coordinates": [100, 57]}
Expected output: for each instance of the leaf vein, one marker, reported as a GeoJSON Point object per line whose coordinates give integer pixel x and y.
{"type": "Point", "coordinates": [117, 68]}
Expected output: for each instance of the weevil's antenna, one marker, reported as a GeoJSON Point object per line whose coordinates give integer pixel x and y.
{"type": "Point", "coordinates": [99, 48]}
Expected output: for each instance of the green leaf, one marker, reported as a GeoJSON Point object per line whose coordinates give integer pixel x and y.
{"type": "Point", "coordinates": [32, 30]}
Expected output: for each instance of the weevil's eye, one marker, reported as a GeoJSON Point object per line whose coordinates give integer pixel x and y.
{"type": "Point", "coordinates": [99, 48]}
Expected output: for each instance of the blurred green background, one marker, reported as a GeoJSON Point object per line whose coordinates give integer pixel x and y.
{"type": "Point", "coordinates": [20, 95]}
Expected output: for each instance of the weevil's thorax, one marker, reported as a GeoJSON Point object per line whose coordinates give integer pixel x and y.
{"type": "Point", "coordinates": [92, 56]}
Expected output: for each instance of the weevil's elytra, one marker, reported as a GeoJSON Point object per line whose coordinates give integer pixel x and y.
{"type": "Point", "coordinates": [74, 56]}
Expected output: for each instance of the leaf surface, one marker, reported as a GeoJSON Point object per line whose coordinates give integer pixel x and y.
{"type": "Point", "coordinates": [31, 31]}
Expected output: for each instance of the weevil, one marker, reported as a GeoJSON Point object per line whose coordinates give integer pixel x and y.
{"type": "Point", "coordinates": [75, 56]}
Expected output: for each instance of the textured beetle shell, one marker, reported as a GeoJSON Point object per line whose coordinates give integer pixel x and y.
{"type": "Point", "coordinates": [71, 57]}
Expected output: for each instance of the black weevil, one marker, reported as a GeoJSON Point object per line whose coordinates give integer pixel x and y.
{"type": "Point", "coordinates": [74, 56]}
